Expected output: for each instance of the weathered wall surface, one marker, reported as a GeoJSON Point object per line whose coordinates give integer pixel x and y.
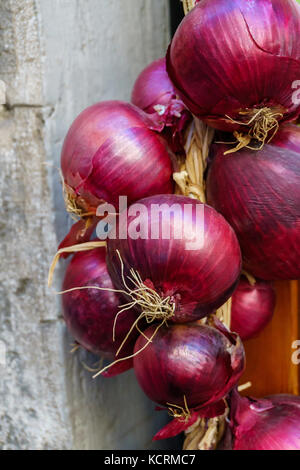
{"type": "Point", "coordinates": [56, 58]}
{"type": "Point", "coordinates": [33, 402]}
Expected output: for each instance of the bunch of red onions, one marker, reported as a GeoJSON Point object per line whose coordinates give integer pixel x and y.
{"type": "Point", "coordinates": [154, 92]}
{"type": "Point", "coordinates": [272, 423]}
{"type": "Point", "coordinates": [148, 300]}
{"type": "Point", "coordinates": [191, 282]}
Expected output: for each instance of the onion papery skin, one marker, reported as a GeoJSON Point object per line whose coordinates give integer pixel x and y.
{"type": "Point", "coordinates": [90, 313]}
{"type": "Point", "coordinates": [259, 195]}
{"type": "Point", "coordinates": [78, 233]}
{"type": "Point", "coordinates": [252, 308]}
{"type": "Point", "coordinates": [237, 55]}
{"type": "Point", "coordinates": [197, 362]}
{"type": "Point", "coordinates": [154, 92]}
{"type": "Point", "coordinates": [272, 423]}
{"type": "Point", "coordinates": [111, 150]}
{"type": "Point", "coordinates": [197, 280]}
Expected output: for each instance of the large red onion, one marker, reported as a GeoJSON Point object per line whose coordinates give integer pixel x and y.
{"type": "Point", "coordinates": [110, 150]}
{"type": "Point", "coordinates": [154, 92]}
{"type": "Point", "coordinates": [90, 313]}
{"type": "Point", "coordinates": [194, 274]}
{"type": "Point", "coordinates": [252, 308]}
{"type": "Point", "coordinates": [259, 195]}
{"type": "Point", "coordinates": [272, 423]}
{"type": "Point", "coordinates": [230, 59]}
{"type": "Point", "coordinates": [188, 367]}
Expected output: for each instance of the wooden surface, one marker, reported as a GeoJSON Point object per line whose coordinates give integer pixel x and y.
{"type": "Point", "coordinates": [269, 357]}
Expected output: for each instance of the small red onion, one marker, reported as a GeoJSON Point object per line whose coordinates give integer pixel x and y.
{"type": "Point", "coordinates": [90, 313]}
{"type": "Point", "coordinates": [252, 308]}
{"type": "Point", "coordinates": [154, 92]}
{"type": "Point", "coordinates": [153, 87]}
{"type": "Point", "coordinates": [272, 423]}
{"type": "Point", "coordinates": [230, 59]}
{"type": "Point", "coordinates": [193, 275]}
{"type": "Point", "coordinates": [198, 362]}
{"type": "Point", "coordinates": [110, 150]}
{"type": "Point", "coordinates": [259, 195]}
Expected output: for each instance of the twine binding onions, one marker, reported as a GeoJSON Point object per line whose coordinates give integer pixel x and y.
{"type": "Point", "coordinates": [188, 5]}
{"type": "Point", "coordinates": [205, 434]}
{"type": "Point", "coordinates": [190, 179]}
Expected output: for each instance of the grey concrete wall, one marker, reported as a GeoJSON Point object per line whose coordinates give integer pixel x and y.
{"type": "Point", "coordinates": [56, 58]}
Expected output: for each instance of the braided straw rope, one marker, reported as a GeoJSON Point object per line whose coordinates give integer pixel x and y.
{"type": "Point", "coordinates": [188, 5]}
{"type": "Point", "coordinates": [190, 179]}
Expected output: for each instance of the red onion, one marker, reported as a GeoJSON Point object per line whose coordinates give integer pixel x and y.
{"type": "Point", "coordinates": [110, 150]}
{"type": "Point", "coordinates": [252, 308]}
{"type": "Point", "coordinates": [153, 87]}
{"type": "Point", "coordinates": [90, 313]}
{"type": "Point", "coordinates": [188, 368]}
{"type": "Point", "coordinates": [259, 195]}
{"type": "Point", "coordinates": [192, 275]}
{"type": "Point", "coordinates": [235, 64]}
{"type": "Point", "coordinates": [272, 423]}
{"type": "Point", "coordinates": [154, 92]}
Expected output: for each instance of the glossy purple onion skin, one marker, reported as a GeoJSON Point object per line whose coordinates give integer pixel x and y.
{"type": "Point", "coordinates": [187, 360]}
{"type": "Point", "coordinates": [258, 193]}
{"type": "Point", "coordinates": [110, 150]}
{"type": "Point", "coordinates": [153, 86]}
{"type": "Point", "coordinates": [90, 313]}
{"type": "Point", "coordinates": [197, 281]}
{"type": "Point", "coordinates": [228, 56]}
{"type": "Point", "coordinates": [252, 308]}
{"type": "Point", "coordinates": [272, 423]}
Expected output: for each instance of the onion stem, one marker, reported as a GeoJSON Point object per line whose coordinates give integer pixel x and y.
{"type": "Point", "coordinates": [261, 122]}
{"type": "Point", "coordinates": [178, 412]}
{"type": "Point", "coordinates": [72, 249]}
